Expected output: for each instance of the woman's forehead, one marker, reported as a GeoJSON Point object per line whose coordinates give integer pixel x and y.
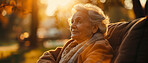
{"type": "Point", "coordinates": [80, 14]}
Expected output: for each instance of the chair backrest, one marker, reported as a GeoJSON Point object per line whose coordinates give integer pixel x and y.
{"type": "Point", "coordinates": [129, 40]}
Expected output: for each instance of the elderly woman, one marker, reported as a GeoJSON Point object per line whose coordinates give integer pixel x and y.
{"type": "Point", "coordinates": [87, 45]}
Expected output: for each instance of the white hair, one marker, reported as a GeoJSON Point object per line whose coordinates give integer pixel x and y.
{"type": "Point", "coordinates": [97, 16]}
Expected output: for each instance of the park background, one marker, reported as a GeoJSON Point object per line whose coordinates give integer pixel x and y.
{"type": "Point", "coordinates": [30, 27]}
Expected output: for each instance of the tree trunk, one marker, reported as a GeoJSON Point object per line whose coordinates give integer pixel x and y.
{"type": "Point", "coordinates": [34, 25]}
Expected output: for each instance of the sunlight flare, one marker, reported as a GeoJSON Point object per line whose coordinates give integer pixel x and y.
{"type": "Point", "coordinates": [128, 4]}
{"type": "Point", "coordinates": [52, 5]}
{"type": "Point", "coordinates": [143, 2]}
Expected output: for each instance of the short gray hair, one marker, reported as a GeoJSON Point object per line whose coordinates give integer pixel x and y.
{"type": "Point", "coordinates": [97, 16]}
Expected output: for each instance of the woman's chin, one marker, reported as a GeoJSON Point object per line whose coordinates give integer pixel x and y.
{"type": "Point", "coordinates": [74, 37]}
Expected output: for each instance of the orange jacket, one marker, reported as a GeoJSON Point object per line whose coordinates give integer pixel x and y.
{"type": "Point", "coordinates": [98, 52]}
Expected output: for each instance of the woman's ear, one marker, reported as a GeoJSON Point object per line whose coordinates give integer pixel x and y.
{"type": "Point", "coordinates": [95, 28]}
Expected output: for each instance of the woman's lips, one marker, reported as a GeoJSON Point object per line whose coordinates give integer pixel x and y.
{"type": "Point", "coordinates": [74, 32]}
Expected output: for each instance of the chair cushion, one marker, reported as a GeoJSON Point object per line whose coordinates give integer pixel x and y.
{"type": "Point", "coordinates": [133, 48]}
{"type": "Point", "coordinates": [129, 40]}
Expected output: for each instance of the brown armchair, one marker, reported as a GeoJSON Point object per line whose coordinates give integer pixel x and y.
{"type": "Point", "coordinates": [129, 41]}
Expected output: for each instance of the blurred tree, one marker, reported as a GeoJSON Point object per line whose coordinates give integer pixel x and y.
{"type": "Point", "coordinates": [12, 14]}
{"type": "Point", "coordinates": [5, 23]}
{"type": "Point", "coordinates": [34, 25]}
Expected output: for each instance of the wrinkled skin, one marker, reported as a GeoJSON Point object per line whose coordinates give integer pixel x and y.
{"type": "Point", "coordinates": [81, 28]}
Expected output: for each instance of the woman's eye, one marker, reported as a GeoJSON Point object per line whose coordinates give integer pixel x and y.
{"type": "Point", "coordinates": [78, 20]}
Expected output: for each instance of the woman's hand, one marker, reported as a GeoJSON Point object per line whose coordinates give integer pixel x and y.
{"type": "Point", "coordinates": [46, 58]}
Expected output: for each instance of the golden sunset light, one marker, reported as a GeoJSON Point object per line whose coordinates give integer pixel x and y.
{"type": "Point", "coordinates": [73, 31]}
{"type": "Point", "coordinates": [52, 5]}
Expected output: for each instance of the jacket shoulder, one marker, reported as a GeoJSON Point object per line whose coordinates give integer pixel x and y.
{"type": "Point", "coordinates": [102, 45]}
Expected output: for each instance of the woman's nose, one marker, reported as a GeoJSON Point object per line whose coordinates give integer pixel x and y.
{"type": "Point", "coordinates": [73, 26]}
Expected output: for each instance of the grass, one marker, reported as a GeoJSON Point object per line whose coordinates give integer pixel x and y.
{"type": "Point", "coordinates": [25, 56]}
{"type": "Point", "coordinates": [7, 42]}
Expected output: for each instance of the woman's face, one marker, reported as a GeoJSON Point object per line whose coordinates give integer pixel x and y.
{"type": "Point", "coordinates": [81, 27]}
